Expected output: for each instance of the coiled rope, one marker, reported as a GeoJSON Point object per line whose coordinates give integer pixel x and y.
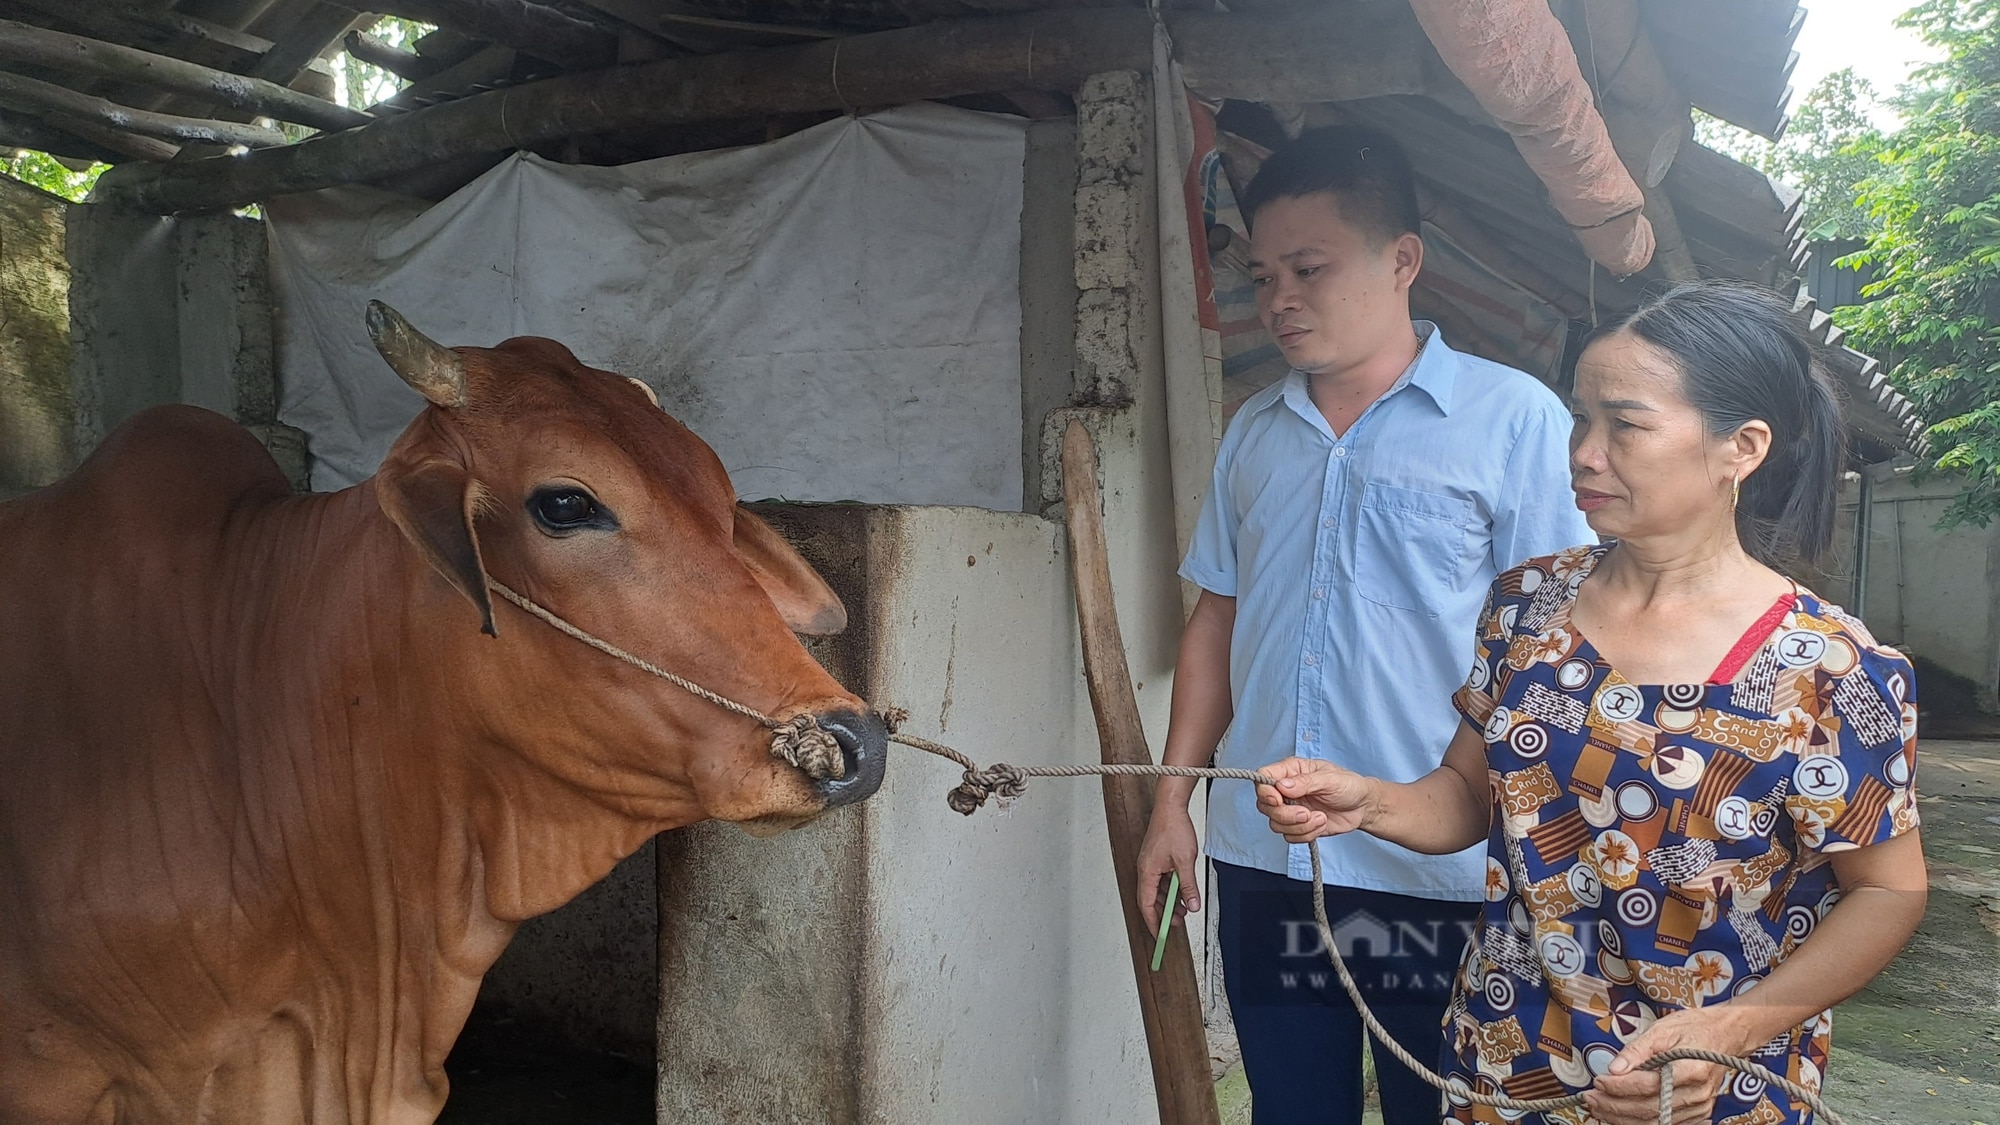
{"type": "Point", "coordinates": [803, 743]}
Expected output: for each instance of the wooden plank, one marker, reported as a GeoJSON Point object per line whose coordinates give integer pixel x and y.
{"type": "Point", "coordinates": [26, 43]}
{"type": "Point", "coordinates": [30, 95]}
{"type": "Point", "coordinates": [1169, 1002]}
{"type": "Point", "coordinates": [948, 58]}
{"type": "Point", "coordinates": [487, 67]}
{"type": "Point", "coordinates": [306, 39]}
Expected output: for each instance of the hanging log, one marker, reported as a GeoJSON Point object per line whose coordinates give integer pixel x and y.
{"type": "Point", "coordinates": [540, 30]}
{"type": "Point", "coordinates": [26, 43]}
{"type": "Point", "coordinates": [949, 58]}
{"type": "Point", "coordinates": [30, 95]}
{"type": "Point", "coordinates": [406, 65]}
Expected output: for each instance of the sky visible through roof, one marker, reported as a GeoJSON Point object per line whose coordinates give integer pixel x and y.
{"type": "Point", "coordinates": [1861, 34]}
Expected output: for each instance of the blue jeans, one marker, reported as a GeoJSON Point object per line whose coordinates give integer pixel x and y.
{"type": "Point", "coordinates": [1300, 1034]}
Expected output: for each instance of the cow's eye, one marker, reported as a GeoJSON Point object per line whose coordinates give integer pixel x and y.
{"type": "Point", "coordinates": [566, 509]}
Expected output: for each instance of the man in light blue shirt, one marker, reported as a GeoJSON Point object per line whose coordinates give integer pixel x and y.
{"type": "Point", "coordinates": [1360, 509]}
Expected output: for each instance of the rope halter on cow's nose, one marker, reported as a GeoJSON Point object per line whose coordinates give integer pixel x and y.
{"type": "Point", "coordinates": [812, 748]}
{"type": "Point", "coordinates": [800, 741]}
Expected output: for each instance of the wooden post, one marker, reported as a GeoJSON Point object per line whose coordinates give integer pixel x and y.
{"type": "Point", "coordinates": [1168, 1000]}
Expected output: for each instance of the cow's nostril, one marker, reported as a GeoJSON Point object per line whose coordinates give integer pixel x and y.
{"type": "Point", "coordinates": [864, 744]}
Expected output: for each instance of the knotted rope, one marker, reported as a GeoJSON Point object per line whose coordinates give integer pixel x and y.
{"type": "Point", "coordinates": [803, 743]}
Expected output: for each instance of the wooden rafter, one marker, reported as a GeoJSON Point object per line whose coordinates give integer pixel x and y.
{"type": "Point", "coordinates": [26, 43]}
{"type": "Point", "coordinates": [536, 29]}
{"type": "Point", "coordinates": [31, 95]}
{"type": "Point", "coordinates": [406, 65]}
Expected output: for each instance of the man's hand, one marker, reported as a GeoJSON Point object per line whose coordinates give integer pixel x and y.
{"type": "Point", "coordinates": [1170, 846]}
{"type": "Point", "coordinates": [1314, 799]}
{"type": "Point", "coordinates": [1626, 1095]}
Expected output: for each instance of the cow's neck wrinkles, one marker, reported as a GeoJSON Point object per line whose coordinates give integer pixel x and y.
{"type": "Point", "coordinates": [483, 837]}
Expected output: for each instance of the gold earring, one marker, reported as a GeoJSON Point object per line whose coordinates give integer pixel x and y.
{"type": "Point", "coordinates": [1735, 489]}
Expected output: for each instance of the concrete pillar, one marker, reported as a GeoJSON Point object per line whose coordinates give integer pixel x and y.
{"type": "Point", "coordinates": [896, 962]}
{"type": "Point", "coordinates": [173, 310]}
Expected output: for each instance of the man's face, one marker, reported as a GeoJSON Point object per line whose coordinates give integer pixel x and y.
{"type": "Point", "coordinates": [1331, 295]}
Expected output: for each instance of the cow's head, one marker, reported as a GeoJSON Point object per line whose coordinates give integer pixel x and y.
{"type": "Point", "coordinates": [574, 488]}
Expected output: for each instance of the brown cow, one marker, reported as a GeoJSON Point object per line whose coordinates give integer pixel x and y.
{"type": "Point", "coordinates": [271, 801]}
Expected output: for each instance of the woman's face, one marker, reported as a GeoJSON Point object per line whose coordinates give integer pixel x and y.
{"type": "Point", "coordinates": [1642, 462]}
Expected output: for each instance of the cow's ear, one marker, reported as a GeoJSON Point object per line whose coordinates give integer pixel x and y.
{"type": "Point", "coordinates": [433, 503]}
{"type": "Point", "coordinates": [803, 598]}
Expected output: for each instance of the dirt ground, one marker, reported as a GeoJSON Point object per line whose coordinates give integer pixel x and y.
{"type": "Point", "coordinates": [1921, 1045]}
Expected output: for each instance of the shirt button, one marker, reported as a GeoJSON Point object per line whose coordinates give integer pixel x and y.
{"type": "Point", "coordinates": [1306, 736]}
{"type": "Point", "coordinates": [1311, 659]}
{"type": "Point", "coordinates": [1319, 595]}
{"type": "Point", "coordinates": [1340, 451]}
{"type": "Point", "coordinates": [1327, 522]}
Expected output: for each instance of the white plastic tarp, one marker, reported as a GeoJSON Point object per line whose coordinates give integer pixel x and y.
{"type": "Point", "coordinates": [836, 312]}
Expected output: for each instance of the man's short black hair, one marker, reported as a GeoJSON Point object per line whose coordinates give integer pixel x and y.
{"type": "Point", "coordinates": [1365, 169]}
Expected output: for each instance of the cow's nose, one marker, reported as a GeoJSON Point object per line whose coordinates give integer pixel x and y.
{"type": "Point", "coordinates": [864, 744]}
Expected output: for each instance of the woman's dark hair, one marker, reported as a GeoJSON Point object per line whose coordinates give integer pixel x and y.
{"type": "Point", "coordinates": [1743, 357]}
{"type": "Point", "coordinates": [1365, 169]}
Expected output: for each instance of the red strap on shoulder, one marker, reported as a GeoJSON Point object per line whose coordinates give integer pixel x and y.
{"type": "Point", "coordinates": [1752, 640]}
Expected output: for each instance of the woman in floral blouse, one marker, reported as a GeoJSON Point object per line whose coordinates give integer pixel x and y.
{"type": "Point", "coordinates": [1697, 779]}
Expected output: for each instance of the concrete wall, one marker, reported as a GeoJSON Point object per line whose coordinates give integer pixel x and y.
{"type": "Point", "coordinates": [36, 417]}
{"type": "Point", "coordinates": [1934, 592]}
{"type": "Point", "coordinates": [169, 310]}
{"type": "Point", "coordinates": [894, 962]}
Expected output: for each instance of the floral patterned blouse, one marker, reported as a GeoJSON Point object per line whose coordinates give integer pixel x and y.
{"type": "Point", "coordinates": [1661, 846]}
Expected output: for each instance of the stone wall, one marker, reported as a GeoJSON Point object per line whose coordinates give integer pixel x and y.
{"type": "Point", "coordinates": [35, 409]}
{"type": "Point", "coordinates": [173, 310]}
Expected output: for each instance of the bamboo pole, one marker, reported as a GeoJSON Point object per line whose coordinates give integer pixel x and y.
{"type": "Point", "coordinates": [26, 43]}
{"type": "Point", "coordinates": [1168, 1002]}
{"type": "Point", "coordinates": [31, 95]}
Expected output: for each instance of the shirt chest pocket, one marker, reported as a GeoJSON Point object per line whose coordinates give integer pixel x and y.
{"type": "Point", "coordinates": [1413, 549]}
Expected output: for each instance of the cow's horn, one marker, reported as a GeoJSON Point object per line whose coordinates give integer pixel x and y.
{"type": "Point", "coordinates": [435, 371]}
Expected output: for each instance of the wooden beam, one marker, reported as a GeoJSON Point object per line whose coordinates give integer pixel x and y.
{"type": "Point", "coordinates": [947, 58]}
{"type": "Point", "coordinates": [536, 29]}
{"type": "Point", "coordinates": [26, 43]}
{"type": "Point", "coordinates": [30, 95]}
{"type": "Point", "coordinates": [487, 66]}
{"type": "Point", "coordinates": [17, 131]}
{"type": "Point", "coordinates": [318, 28]}
{"type": "Point", "coordinates": [126, 144]}
{"type": "Point", "coordinates": [165, 32]}
{"type": "Point", "coordinates": [406, 65]}
{"type": "Point", "coordinates": [1169, 1001]}
{"type": "Point", "coordinates": [1324, 52]}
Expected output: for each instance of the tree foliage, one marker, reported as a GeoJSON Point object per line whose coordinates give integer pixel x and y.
{"type": "Point", "coordinates": [1827, 150]}
{"type": "Point", "coordinates": [41, 170]}
{"type": "Point", "coordinates": [1935, 193]}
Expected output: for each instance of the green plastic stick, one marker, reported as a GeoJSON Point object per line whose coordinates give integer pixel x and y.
{"type": "Point", "coordinates": [1167, 919]}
